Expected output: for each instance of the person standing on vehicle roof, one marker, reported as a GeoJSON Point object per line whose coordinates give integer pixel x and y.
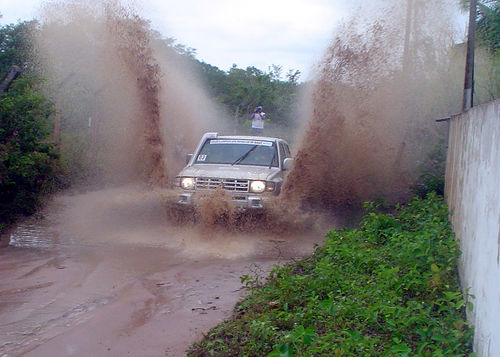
{"type": "Point", "coordinates": [258, 117]}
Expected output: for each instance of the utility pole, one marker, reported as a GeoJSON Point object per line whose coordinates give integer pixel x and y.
{"type": "Point", "coordinates": [469, 60]}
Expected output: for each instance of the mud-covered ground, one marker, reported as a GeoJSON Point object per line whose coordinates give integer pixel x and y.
{"type": "Point", "coordinates": [104, 274]}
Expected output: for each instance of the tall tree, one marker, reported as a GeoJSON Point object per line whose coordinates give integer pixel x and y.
{"type": "Point", "coordinates": [16, 46]}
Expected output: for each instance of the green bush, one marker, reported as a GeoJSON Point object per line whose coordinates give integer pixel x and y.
{"type": "Point", "coordinates": [27, 158]}
{"type": "Point", "coordinates": [433, 171]}
{"type": "Point", "coordinates": [388, 288]}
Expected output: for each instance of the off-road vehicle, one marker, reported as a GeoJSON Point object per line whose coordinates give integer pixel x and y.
{"type": "Point", "coordinates": [249, 169]}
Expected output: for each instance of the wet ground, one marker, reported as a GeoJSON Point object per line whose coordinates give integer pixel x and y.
{"type": "Point", "coordinates": [104, 274]}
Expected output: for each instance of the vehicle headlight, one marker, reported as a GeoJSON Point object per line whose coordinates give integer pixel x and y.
{"type": "Point", "coordinates": [257, 186]}
{"type": "Point", "coordinates": [187, 183]}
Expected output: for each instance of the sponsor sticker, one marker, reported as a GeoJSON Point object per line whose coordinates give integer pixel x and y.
{"type": "Point", "coordinates": [241, 141]}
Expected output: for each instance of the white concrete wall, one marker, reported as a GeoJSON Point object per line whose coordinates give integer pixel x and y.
{"type": "Point", "coordinates": [473, 196]}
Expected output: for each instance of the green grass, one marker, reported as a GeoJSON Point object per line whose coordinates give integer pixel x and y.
{"type": "Point", "coordinates": [389, 288]}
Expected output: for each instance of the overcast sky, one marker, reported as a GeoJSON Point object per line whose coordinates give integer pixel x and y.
{"type": "Point", "coordinates": [289, 33]}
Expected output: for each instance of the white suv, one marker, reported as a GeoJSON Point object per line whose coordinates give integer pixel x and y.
{"type": "Point", "coordinates": [250, 169]}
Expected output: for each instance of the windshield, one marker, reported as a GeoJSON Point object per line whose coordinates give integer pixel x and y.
{"type": "Point", "coordinates": [238, 152]}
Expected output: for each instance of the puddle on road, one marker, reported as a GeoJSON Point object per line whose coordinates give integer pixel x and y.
{"type": "Point", "coordinates": [132, 218]}
{"type": "Point", "coordinates": [34, 233]}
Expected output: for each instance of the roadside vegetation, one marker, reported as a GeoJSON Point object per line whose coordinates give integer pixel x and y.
{"type": "Point", "coordinates": [28, 159]}
{"type": "Point", "coordinates": [389, 288]}
{"type": "Point", "coordinates": [432, 172]}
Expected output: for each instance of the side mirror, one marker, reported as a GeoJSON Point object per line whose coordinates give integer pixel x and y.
{"type": "Point", "coordinates": [188, 158]}
{"type": "Point", "coordinates": [287, 164]}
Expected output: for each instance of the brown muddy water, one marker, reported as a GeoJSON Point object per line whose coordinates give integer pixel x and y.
{"type": "Point", "coordinates": [104, 273]}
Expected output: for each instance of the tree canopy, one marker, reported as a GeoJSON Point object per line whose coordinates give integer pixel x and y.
{"type": "Point", "coordinates": [241, 90]}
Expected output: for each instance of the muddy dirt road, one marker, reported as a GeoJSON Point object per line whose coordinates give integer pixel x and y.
{"type": "Point", "coordinates": [103, 274]}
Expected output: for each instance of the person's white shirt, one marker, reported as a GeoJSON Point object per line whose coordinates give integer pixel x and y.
{"type": "Point", "coordinates": [258, 120]}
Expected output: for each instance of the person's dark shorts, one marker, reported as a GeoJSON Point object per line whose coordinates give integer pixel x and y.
{"type": "Point", "coordinates": [257, 131]}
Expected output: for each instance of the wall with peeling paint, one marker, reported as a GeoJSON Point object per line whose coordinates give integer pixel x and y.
{"type": "Point", "coordinates": [473, 196]}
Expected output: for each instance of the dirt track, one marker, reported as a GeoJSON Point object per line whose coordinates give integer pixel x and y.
{"type": "Point", "coordinates": [103, 274]}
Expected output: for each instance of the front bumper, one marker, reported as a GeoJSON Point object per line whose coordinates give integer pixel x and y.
{"type": "Point", "coordinates": [239, 200]}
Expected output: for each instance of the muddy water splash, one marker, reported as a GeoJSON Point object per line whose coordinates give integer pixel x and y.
{"type": "Point", "coordinates": [372, 116]}
{"type": "Point", "coordinates": [133, 43]}
{"type": "Point", "coordinates": [215, 212]}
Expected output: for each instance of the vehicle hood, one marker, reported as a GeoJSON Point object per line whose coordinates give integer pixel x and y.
{"type": "Point", "coordinates": [243, 172]}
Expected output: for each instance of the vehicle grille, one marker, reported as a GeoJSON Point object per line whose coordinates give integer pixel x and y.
{"type": "Point", "coordinates": [208, 183]}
